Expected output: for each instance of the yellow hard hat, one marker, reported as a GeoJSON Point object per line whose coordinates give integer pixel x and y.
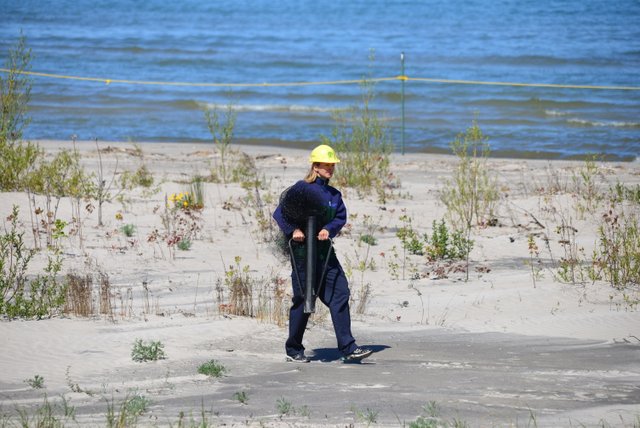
{"type": "Point", "coordinates": [324, 154]}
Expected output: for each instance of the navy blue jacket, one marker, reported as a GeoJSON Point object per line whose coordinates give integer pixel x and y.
{"type": "Point", "coordinates": [334, 214]}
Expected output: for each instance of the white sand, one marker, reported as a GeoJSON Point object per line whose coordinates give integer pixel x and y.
{"type": "Point", "coordinates": [89, 362]}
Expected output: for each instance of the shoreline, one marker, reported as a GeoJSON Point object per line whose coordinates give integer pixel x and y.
{"type": "Point", "coordinates": [308, 145]}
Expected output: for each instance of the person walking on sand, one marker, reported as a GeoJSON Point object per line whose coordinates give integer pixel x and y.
{"type": "Point", "coordinates": [334, 292]}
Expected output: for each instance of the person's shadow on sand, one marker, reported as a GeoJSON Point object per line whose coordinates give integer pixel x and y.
{"type": "Point", "coordinates": [328, 355]}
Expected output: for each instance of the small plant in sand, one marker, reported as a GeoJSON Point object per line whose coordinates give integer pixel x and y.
{"type": "Point", "coordinates": [180, 201]}
{"type": "Point", "coordinates": [367, 416]}
{"type": "Point", "coordinates": [242, 397]}
{"type": "Point", "coordinates": [128, 230]}
{"type": "Point", "coordinates": [181, 222]}
{"type": "Point", "coordinates": [616, 257]}
{"type": "Point", "coordinates": [55, 179]}
{"type": "Point", "coordinates": [363, 142]}
{"type": "Point", "coordinates": [196, 189]}
{"type": "Point", "coordinates": [212, 368]}
{"type": "Point", "coordinates": [534, 262]}
{"type": "Point", "coordinates": [147, 351]}
{"type": "Point", "coordinates": [588, 197]}
{"type": "Point", "coordinates": [409, 238]}
{"type": "Point", "coordinates": [283, 406]}
{"type": "Point", "coordinates": [570, 266]}
{"type": "Point", "coordinates": [260, 202]}
{"type": "Point", "coordinates": [221, 127]}
{"type": "Point", "coordinates": [21, 297]}
{"type": "Point", "coordinates": [36, 382]}
{"type": "Point", "coordinates": [392, 262]}
{"type": "Point", "coordinates": [49, 414]}
{"type": "Point", "coordinates": [184, 244]}
{"type": "Point", "coordinates": [126, 414]}
{"type": "Point", "coordinates": [363, 260]}
{"type": "Point", "coordinates": [16, 156]}
{"type": "Point", "coordinates": [623, 193]}
{"type": "Point", "coordinates": [431, 418]}
{"type": "Point", "coordinates": [273, 300]}
{"type": "Point", "coordinates": [470, 197]}
{"type": "Point", "coordinates": [444, 244]}
{"type": "Point", "coordinates": [240, 285]}
{"type": "Point", "coordinates": [79, 300]}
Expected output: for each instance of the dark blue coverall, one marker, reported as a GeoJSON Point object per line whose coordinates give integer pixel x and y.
{"type": "Point", "coordinates": [334, 292]}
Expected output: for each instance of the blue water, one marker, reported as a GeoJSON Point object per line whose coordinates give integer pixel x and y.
{"type": "Point", "coordinates": [587, 42]}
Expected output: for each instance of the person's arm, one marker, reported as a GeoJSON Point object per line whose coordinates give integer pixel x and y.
{"type": "Point", "coordinates": [284, 225]}
{"type": "Point", "coordinates": [340, 218]}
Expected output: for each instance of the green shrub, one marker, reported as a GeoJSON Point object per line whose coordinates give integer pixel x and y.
{"type": "Point", "coordinates": [221, 130]}
{"type": "Point", "coordinates": [446, 245]}
{"type": "Point", "coordinates": [621, 192]}
{"type": "Point", "coordinates": [212, 368]}
{"type": "Point", "coordinates": [128, 230]}
{"type": "Point", "coordinates": [37, 382]}
{"type": "Point", "coordinates": [197, 190]}
{"type": "Point", "coordinates": [242, 397]}
{"type": "Point", "coordinates": [617, 254]}
{"type": "Point", "coordinates": [16, 157]}
{"type": "Point", "coordinates": [127, 413]}
{"type": "Point", "coordinates": [150, 351]}
{"type": "Point", "coordinates": [184, 244]}
{"type": "Point", "coordinates": [240, 286]}
{"type": "Point", "coordinates": [369, 239]}
{"type": "Point", "coordinates": [20, 297]}
{"type": "Point", "coordinates": [284, 406]}
{"type": "Point", "coordinates": [364, 145]}
{"type": "Point", "coordinates": [471, 195]}
{"type": "Point", "coordinates": [409, 237]}
{"type": "Point", "coordinates": [141, 177]}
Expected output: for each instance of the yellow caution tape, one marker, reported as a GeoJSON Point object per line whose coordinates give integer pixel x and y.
{"type": "Point", "coordinates": [330, 82]}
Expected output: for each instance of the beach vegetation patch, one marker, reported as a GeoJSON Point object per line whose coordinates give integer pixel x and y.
{"type": "Point", "coordinates": [180, 221]}
{"type": "Point", "coordinates": [141, 177]}
{"type": "Point", "coordinates": [79, 299]}
{"type": "Point", "coordinates": [212, 368]}
{"type": "Point", "coordinates": [616, 258]}
{"type": "Point", "coordinates": [221, 126]}
{"type": "Point", "coordinates": [128, 230]}
{"type": "Point", "coordinates": [36, 382]}
{"type": "Point", "coordinates": [367, 416]}
{"type": "Point", "coordinates": [239, 283]}
{"type": "Point", "coordinates": [48, 414]}
{"type": "Point", "coordinates": [196, 189]}
{"type": "Point", "coordinates": [126, 413]}
{"type": "Point", "coordinates": [55, 179]}
{"type": "Point", "coordinates": [283, 406]}
{"type": "Point", "coordinates": [445, 244]}
{"type": "Point", "coordinates": [470, 197]}
{"type": "Point", "coordinates": [17, 157]}
{"type": "Point", "coordinates": [21, 296]}
{"type": "Point", "coordinates": [588, 196]}
{"type": "Point", "coordinates": [362, 139]}
{"type": "Point", "coordinates": [241, 396]}
{"type": "Point", "coordinates": [147, 351]}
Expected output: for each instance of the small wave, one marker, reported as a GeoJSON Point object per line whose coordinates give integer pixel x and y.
{"type": "Point", "coordinates": [270, 108]}
{"type": "Point", "coordinates": [556, 113]}
{"type": "Point", "coordinates": [600, 124]}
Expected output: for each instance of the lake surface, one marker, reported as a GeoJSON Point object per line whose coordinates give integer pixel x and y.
{"type": "Point", "coordinates": [585, 43]}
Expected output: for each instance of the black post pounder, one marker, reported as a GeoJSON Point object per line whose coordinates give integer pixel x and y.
{"type": "Point", "coordinates": [311, 257]}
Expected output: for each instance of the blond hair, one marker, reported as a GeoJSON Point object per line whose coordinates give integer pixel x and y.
{"type": "Point", "coordinates": [312, 174]}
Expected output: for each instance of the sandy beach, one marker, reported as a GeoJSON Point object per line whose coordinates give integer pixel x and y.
{"type": "Point", "coordinates": [514, 345]}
